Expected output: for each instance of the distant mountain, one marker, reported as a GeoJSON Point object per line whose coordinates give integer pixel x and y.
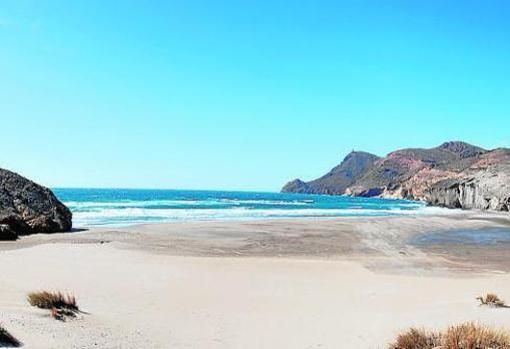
{"type": "Point", "coordinates": [454, 174]}
{"type": "Point", "coordinates": [336, 181]}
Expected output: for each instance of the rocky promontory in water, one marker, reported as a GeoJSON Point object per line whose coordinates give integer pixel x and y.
{"type": "Point", "coordinates": [454, 174]}
{"type": "Point", "coordinates": [28, 208]}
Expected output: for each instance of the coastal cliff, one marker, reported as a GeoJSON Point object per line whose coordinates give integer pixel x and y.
{"type": "Point", "coordinates": [454, 174]}
{"type": "Point", "coordinates": [28, 208]}
{"type": "Point", "coordinates": [338, 179]}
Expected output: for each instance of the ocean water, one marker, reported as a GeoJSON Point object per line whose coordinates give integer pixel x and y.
{"type": "Point", "coordinates": [121, 207]}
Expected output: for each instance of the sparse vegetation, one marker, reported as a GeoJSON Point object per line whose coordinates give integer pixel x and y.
{"type": "Point", "coordinates": [49, 300]}
{"type": "Point", "coordinates": [491, 300]}
{"type": "Point", "coordinates": [61, 305]}
{"type": "Point", "coordinates": [416, 339]}
{"type": "Point", "coordinates": [7, 339]}
{"type": "Point", "coordinates": [470, 335]}
{"type": "Point", "coordinates": [464, 336]}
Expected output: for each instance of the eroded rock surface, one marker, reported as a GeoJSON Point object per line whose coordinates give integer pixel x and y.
{"type": "Point", "coordinates": [454, 174]}
{"type": "Point", "coordinates": [28, 208]}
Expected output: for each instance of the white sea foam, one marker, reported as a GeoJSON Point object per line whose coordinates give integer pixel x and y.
{"type": "Point", "coordinates": [127, 216]}
{"type": "Point", "coordinates": [132, 203]}
{"type": "Point", "coordinates": [155, 203]}
{"type": "Point", "coordinates": [93, 207]}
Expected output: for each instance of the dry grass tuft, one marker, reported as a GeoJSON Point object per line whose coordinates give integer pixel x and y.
{"type": "Point", "coordinates": [491, 300]}
{"type": "Point", "coordinates": [61, 306]}
{"type": "Point", "coordinates": [416, 339]}
{"type": "Point", "coordinates": [50, 300]}
{"type": "Point", "coordinates": [7, 339]}
{"type": "Point", "coordinates": [470, 335]}
{"type": "Point", "coordinates": [464, 336]}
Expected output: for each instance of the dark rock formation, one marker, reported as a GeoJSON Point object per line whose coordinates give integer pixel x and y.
{"type": "Point", "coordinates": [454, 174]}
{"type": "Point", "coordinates": [6, 233]}
{"type": "Point", "coordinates": [462, 149]}
{"type": "Point", "coordinates": [297, 186]}
{"type": "Point", "coordinates": [338, 179]}
{"type": "Point", "coordinates": [28, 208]}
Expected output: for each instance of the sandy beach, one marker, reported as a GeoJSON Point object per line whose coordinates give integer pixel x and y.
{"type": "Point", "coordinates": [254, 174]}
{"type": "Point", "coordinates": [329, 283]}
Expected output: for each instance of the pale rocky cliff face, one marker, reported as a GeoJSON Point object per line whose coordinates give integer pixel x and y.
{"type": "Point", "coordinates": [455, 174]}
{"type": "Point", "coordinates": [485, 184]}
{"type": "Point", "coordinates": [487, 190]}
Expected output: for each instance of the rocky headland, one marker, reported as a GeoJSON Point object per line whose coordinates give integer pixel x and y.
{"type": "Point", "coordinates": [28, 208]}
{"type": "Point", "coordinates": [454, 174]}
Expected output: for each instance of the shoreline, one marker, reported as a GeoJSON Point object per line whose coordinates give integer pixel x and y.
{"type": "Point", "coordinates": [257, 284]}
{"type": "Point", "coordinates": [347, 238]}
{"type": "Point", "coordinates": [140, 206]}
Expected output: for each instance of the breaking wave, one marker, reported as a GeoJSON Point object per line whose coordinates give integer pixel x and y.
{"type": "Point", "coordinates": [121, 207]}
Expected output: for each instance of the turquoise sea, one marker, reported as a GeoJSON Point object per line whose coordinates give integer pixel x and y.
{"type": "Point", "coordinates": [121, 207]}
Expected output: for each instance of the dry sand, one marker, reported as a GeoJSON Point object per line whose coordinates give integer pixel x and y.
{"type": "Point", "coordinates": [340, 283]}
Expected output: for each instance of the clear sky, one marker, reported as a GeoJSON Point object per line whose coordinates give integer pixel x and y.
{"type": "Point", "coordinates": [242, 94]}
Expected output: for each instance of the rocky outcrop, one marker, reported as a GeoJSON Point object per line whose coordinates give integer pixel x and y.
{"type": "Point", "coordinates": [336, 181]}
{"type": "Point", "coordinates": [487, 190]}
{"type": "Point", "coordinates": [6, 233]}
{"type": "Point", "coordinates": [461, 149]}
{"type": "Point", "coordinates": [297, 186]}
{"type": "Point", "coordinates": [454, 174]}
{"type": "Point", "coordinates": [28, 208]}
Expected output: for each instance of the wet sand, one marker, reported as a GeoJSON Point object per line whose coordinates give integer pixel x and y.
{"type": "Point", "coordinates": [384, 240]}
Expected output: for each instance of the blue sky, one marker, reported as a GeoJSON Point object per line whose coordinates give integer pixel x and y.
{"type": "Point", "coordinates": [242, 94]}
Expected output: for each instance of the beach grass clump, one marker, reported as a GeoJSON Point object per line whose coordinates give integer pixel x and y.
{"type": "Point", "coordinates": [471, 335]}
{"type": "Point", "coordinates": [416, 339]}
{"type": "Point", "coordinates": [8, 340]}
{"type": "Point", "coordinates": [491, 300]}
{"type": "Point", "coordinates": [464, 336]}
{"type": "Point", "coordinates": [61, 306]}
{"type": "Point", "coordinates": [50, 300]}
